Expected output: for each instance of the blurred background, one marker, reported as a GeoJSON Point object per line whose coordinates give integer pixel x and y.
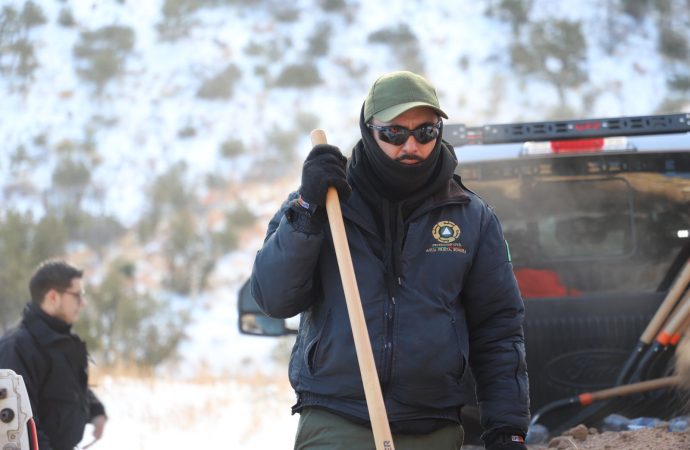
{"type": "Point", "coordinates": [150, 141]}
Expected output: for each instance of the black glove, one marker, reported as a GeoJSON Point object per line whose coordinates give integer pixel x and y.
{"type": "Point", "coordinates": [324, 167]}
{"type": "Point", "coordinates": [507, 446]}
{"type": "Point", "coordinates": [505, 440]}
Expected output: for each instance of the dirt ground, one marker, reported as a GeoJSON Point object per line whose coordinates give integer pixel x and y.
{"type": "Point", "coordinates": [644, 439]}
{"type": "Point", "coordinates": [579, 438]}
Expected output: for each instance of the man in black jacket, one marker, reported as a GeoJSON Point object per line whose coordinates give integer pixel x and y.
{"type": "Point", "coordinates": [434, 275]}
{"type": "Point", "coordinates": [52, 360]}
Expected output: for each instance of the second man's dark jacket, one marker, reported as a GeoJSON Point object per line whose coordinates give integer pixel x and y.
{"type": "Point", "coordinates": [53, 364]}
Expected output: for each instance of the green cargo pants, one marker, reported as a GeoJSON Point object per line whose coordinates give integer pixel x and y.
{"type": "Point", "coordinates": [321, 430]}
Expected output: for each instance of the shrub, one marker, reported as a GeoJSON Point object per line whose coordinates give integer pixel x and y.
{"type": "Point", "coordinates": [102, 53]}
{"type": "Point", "coordinates": [271, 51]}
{"type": "Point", "coordinates": [253, 48]}
{"type": "Point", "coordinates": [17, 55]}
{"type": "Point", "coordinates": [285, 141]}
{"type": "Point", "coordinates": [27, 63]}
{"type": "Point", "coordinates": [24, 242]}
{"type": "Point", "coordinates": [319, 42]}
{"type": "Point", "coordinates": [71, 174]}
{"type": "Point", "coordinates": [32, 15]}
{"type": "Point", "coordinates": [187, 131]}
{"type": "Point", "coordinates": [127, 326]}
{"type": "Point", "coordinates": [299, 75]}
{"type": "Point", "coordinates": [679, 83]}
{"type": "Point", "coordinates": [397, 36]}
{"type": "Point", "coordinates": [332, 5]}
{"type": "Point", "coordinates": [261, 71]}
{"type": "Point", "coordinates": [177, 20]}
{"type": "Point", "coordinates": [241, 216]}
{"type": "Point", "coordinates": [403, 42]}
{"type": "Point", "coordinates": [286, 14]}
{"type": "Point", "coordinates": [66, 19]}
{"type": "Point", "coordinates": [306, 121]}
{"type": "Point", "coordinates": [673, 45]}
{"type": "Point", "coordinates": [221, 85]}
{"type": "Point", "coordinates": [231, 148]}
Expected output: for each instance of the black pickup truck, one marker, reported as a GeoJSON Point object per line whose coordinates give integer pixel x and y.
{"type": "Point", "coordinates": [597, 216]}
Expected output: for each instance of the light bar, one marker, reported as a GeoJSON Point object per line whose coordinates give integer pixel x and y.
{"type": "Point", "coordinates": [575, 146]}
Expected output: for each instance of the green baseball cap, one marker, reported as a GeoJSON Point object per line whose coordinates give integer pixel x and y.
{"type": "Point", "coordinates": [394, 93]}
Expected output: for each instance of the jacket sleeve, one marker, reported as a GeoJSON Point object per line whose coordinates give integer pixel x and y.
{"type": "Point", "coordinates": [28, 363]}
{"type": "Point", "coordinates": [495, 314]}
{"type": "Point", "coordinates": [96, 408]}
{"type": "Point", "coordinates": [282, 280]}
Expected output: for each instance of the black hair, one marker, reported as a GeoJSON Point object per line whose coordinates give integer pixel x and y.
{"type": "Point", "coordinates": [52, 274]}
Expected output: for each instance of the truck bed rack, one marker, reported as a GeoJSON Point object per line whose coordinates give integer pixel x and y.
{"type": "Point", "coordinates": [459, 134]}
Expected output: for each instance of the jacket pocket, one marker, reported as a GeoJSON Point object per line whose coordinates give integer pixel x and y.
{"type": "Point", "coordinates": [312, 356]}
{"type": "Point", "coordinates": [429, 373]}
{"type": "Point", "coordinates": [64, 415]}
{"type": "Point", "coordinates": [462, 359]}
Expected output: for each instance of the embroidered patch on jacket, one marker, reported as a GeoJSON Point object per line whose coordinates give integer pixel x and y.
{"type": "Point", "coordinates": [446, 234]}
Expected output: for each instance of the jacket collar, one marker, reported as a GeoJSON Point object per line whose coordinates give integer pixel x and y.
{"type": "Point", "coordinates": [454, 193]}
{"type": "Point", "coordinates": [45, 328]}
{"type": "Point", "coordinates": [357, 210]}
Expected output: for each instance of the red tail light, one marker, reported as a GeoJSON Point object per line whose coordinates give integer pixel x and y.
{"type": "Point", "coordinates": [590, 145]}
{"type": "Point", "coordinates": [578, 146]}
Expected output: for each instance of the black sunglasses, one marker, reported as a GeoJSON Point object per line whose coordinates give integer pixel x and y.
{"type": "Point", "coordinates": [397, 135]}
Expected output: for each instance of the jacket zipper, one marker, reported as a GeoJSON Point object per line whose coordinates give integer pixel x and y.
{"type": "Point", "coordinates": [388, 343]}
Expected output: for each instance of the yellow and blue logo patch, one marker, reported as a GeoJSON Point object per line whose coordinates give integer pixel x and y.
{"type": "Point", "coordinates": [446, 234]}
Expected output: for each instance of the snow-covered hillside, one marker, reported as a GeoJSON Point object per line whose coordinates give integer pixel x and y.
{"type": "Point", "coordinates": [150, 116]}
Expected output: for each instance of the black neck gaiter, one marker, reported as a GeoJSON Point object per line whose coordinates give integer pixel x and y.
{"type": "Point", "coordinates": [393, 190]}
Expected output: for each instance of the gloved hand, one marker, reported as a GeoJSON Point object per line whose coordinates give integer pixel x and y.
{"type": "Point", "coordinates": [507, 446]}
{"type": "Point", "coordinates": [324, 167]}
{"type": "Point", "coordinates": [502, 440]}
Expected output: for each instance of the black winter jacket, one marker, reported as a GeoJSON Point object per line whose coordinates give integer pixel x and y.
{"type": "Point", "coordinates": [456, 304]}
{"type": "Point", "coordinates": [53, 364]}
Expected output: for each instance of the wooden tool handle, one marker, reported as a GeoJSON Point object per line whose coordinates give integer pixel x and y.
{"type": "Point", "coordinates": [671, 300]}
{"type": "Point", "coordinates": [365, 357]}
{"type": "Point", "coordinates": [627, 389]}
{"type": "Point", "coordinates": [679, 316]}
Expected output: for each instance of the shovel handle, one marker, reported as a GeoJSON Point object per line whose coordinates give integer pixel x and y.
{"type": "Point", "coordinates": [587, 398]}
{"type": "Point", "coordinates": [628, 389]}
{"type": "Point", "coordinates": [664, 311]}
{"type": "Point", "coordinates": [676, 321]}
{"type": "Point", "coordinates": [365, 357]}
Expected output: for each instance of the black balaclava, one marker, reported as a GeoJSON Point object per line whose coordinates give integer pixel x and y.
{"type": "Point", "coordinates": [393, 189]}
{"type": "Point", "coordinates": [380, 177]}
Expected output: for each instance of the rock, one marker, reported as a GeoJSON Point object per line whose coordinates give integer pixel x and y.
{"type": "Point", "coordinates": [563, 443]}
{"type": "Point", "coordinates": [578, 433]}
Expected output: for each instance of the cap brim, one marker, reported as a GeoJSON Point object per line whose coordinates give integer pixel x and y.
{"type": "Point", "coordinates": [391, 113]}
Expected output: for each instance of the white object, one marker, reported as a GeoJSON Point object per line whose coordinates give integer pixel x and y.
{"type": "Point", "coordinates": [16, 418]}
